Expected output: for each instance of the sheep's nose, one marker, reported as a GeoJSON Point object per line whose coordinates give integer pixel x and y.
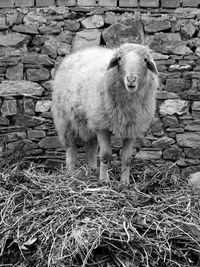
{"type": "Point", "coordinates": [131, 78]}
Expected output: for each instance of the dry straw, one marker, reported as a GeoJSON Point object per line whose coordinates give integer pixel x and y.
{"type": "Point", "coordinates": [51, 219]}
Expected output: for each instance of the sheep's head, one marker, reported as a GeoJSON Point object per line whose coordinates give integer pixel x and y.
{"type": "Point", "coordinates": [133, 62]}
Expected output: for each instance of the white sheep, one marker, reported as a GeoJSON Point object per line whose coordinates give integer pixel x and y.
{"type": "Point", "coordinates": [98, 92]}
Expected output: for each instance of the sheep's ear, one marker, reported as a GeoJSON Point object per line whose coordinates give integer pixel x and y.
{"type": "Point", "coordinates": [113, 62]}
{"type": "Point", "coordinates": [152, 66]}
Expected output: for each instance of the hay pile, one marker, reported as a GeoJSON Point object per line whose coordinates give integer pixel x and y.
{"type": "Point", "coordinates": [49, 219]}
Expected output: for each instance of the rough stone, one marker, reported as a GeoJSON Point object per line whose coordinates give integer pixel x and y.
{"type": "Point", "coordinates": [195, 180]}
{"type": "Point", "coordinates": [37, 59]}
{"type": "Point", "coordinates": [15, 72]}
{"type": "Point", "coordinates": [36, 75]}
{"type": "Point", "coordinates": [93, 22]}
{"type": "Point", "coordinates": [156, 128]}
{"type": "Point", "coordinates": [189, 139]}
{"type": "Point", "coordinates": [170, 121]}
{"type": "Point", "coordinates": [9, 108]}
{"type": "Point", "coordinates": [188, 30]}
{"type": "Point", "coordinates": [54, 29]}
{"type": "Point", "coordinates": [4, 121]}
{"type": "Point", "coordinates": [39, 40]}
{"type": "Point", "coordinates": [50, 142]}
{"type": "Point", "coordinates": [174, 106]}
{"type": "Point", "coordinates": [16, 88]}
{"type": "Point", "coordinates": [189, 170]}
{"type": "Point", "coordinates": [14, 136]}
{"type": "Point", "coordinates": [14, 39]}
{"type": "Point", "coordinates": [196, 105]}
{"type": "Point", "coordinates": [49, 48]}
{"type": "Point", "coordinates": [33, 18]}
{"type": "Point", "coordinates": [169, 43]}
{"type": "Point", "coordinates": [35, 134]}
{"type": "Point", "coordinates": [126, 31]}
{"type": "Point", "coordinates": [163, 95]}
{"type": "Point", "coordinates": [157, 26]}
{"type": "Point", "coordinates": [3, 25]}
{"type": "Point", "coordinates": [193, 153]}
{"type": "Point", "coordinates": [71, 25]}
{"type": "Point", "coordinates": [29, 107]}
{"type": "Point", "coordinates": [12, 18]}
{"type": "Point", "coordinates": [163, 142]}
{"type": "Point", "coordinates": [23, 145]}
{"type": "Point", "coordinates": [177, 85]}
{"type": "Point", "coordinates": [149, 154]}
{"type": "Point", "coordinates": [178, 67]}
{"type": "Point", "coordinates": [28, 121]}
{"type": "Point", "coordinates": [63, 49]}
{"type": "Point", "coordinates": [111, 18]}
{"type": "Point", "coordinates": [172, 153]}
{"type": "Point", "coordinates": [28, 29]}
{"type": "Point", "coordinates": [86, 38]}
{"type": "Point", "coordinates": [43, 105]}
{"type": "Point", "coordinates": [65, 37]}
{"type": "Point", "coordinates": [190, 95]}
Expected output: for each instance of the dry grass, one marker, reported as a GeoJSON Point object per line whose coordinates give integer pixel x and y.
{"type": "Point", "coordinates": [51, 219]}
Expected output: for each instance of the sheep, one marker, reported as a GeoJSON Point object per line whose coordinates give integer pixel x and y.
{"type": "Point", "coordinates": [99, 92]}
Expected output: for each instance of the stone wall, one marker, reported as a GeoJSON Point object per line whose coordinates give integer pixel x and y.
{"type": "Point", "coordinates": [33, 41]}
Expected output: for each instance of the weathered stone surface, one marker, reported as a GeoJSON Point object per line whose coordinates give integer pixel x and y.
{"type": "Point", "coordinates": [174, 106]}
{"type": "Point", "coordinates": [22, 145]}
{"type": "Point", "coordinates": [188, 30]}
{"type": "Point", "coordinates": [163, 95]}
{"type": "Point", "coordinates": [37, 59]}
{"type": "Point", "coordinates": [149, 154]}
{"type": "Point", "coordinates": [93, 22]}
{"type": "Point", "coordinates": [172, 153]}
{"type": "Point", "coordinates": [29, 107]}
{"type": "Point", "coordinates": [63, 49]}
{"type": "Point", "coordinates": [14, 88]}
{"type": "Point", "coordinates": [4, 121]}
{"type": "Point", "coordinates": [9, 108]}
{"type": "Point", "coordinates": [178, 67]}
{"type": "Point", "coordinates": [14, 39]}
{"type": "Point", "coordinates": [126, 31]}
{"type": "Point", "coordinates": [34, 18]}
{"type": "Point", "coordinates": [28, 121]}
{"type": "Point", "coordinates": [71, 25]}
{"type": "Point", "coordinates": [15, 72]}
{"type": "Point", "coordinates": [54, 29]}
{"type": "Point", "coordinates": [39, 40]}
{"type": "Point", "coordinates": [49, 48]}
{"type": "Point", "coordinates": [3, 25]}
{"type": "Point", "coordinates": [156, 128]}
{"type": "Point", "coordinates": [169, 43]}
{"type": "Point", "coordinates": [190, 95]}
{"type": "Point", "coordinates": [157, 26]}
{"type": "Point", "coordinates": [196, 105]}
{"type": "Point", "coordinates": [12, 18]}
{"type": "Point", "coordinates": [35, 134]}
{"type": "Point", "coordinates": [36, 75]}
{"type": "Point", "coordinates": [43, 105]}
{"type": "Point", "coordinates": [50, 142]}
{"type": "Point", "coordinates": [193, 153]}
{"type": "Point", "coordinates": [189, 139]}
{"type": "Point", "coordinates": [14, 136]}
{"type": "Point", "coordinates": [170, 121]}
{"type": "Point", "coordinates": [86, 38]}
{"type": "Point", "coordinates": [177, 85]}
{"type": "Point", "coordinates": [184, 162]}
{"type": "Point", "coordinates": [111, 18]}
{"type": "Point", "coordinates": [195, 179]}
{"type": "Point", "coordinates": [163, 142]}
{"type": "Point", "coordinates": [65, 37]}
{"type": "Point", "coordinates": [189, 170]}
{"type": "Point", "coordinates": [29, 29]}
{"type": "Point", "coordinates": [193, 126]}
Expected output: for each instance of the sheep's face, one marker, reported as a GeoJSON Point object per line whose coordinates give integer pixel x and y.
{"type": "Point", "coordinates": [133, 63]}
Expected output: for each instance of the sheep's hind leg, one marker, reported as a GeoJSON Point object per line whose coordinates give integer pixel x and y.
{"type": "Point", "coordinates": [104, 140]}
{"type": "Point", "coordinates": [91, 152]}
{"type": "Point", "coordinates": [127, 150]}
{"type": "Point", "coordinates": [71, 153]}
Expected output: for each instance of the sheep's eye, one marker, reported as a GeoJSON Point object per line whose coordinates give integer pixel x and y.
{"type": "Point", "coordinates": [119, 58]}
{"type": "Point", "coordinates": [145, 59]}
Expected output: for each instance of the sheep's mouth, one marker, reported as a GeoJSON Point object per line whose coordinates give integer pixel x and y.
{"type": "Point", "coordinates": [131, 88]}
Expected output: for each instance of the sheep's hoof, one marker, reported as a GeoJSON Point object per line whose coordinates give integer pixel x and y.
{"type": "Point", "coordinates": [104, 179]}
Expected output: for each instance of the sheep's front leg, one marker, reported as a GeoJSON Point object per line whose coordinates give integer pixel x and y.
{"type": "Point", "coordinates": [127, 150]}
{"type": "Point", "coordinates": [104, 140]}
{"type": "Point", "coordinates": [91, 152]}
{"type": "Point", "coordinates": [71, 153]}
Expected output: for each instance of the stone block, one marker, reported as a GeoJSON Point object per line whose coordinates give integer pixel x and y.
{"type": "Point", "coordinates": [21, 3]}
{"type": "Point", "coordinates": [27, 29]}
{"type": "Point", "coordinates": [163, 142]}
{"type": "Point", "coordinates": [23, 145]}
{"type": "Point", "coordinates": [37, 59]}
{"type": "Point", "coordinates": [66, 2]}
{"type": "Point", "coordinates": [15, 72]}
{"type": "Point", "coordinates": [46, 30]}
{"type": "Point", "coordinates": [172, 153]}
{"type": "Point", "coordinates": [189, 139]}
{"type": "Point", "coordinates": [45, 3]}
{"type": "Point", "coordinates": [37, 75]}
{"type": "Point", "coordinates": [149, 155]}
{"type": "Point", "coordinates": [108, 3]}
{"type": "Point", "coordinates": [20, 88]}
{"type": "Point", "coordinates": [14, 136]}
{"type": "Point", "coordinates": [27, 121]}
{"type": "Point", "coordinates": [149, 3]}
{"type": "Point", "coordinates": [174, 106]}
{"type": "Point", "coordinates": [191, 3]}
{"type": "Point", "coordinates": [43, 106]}
{"type": "Point", "coordinates": [4, 121]}
{"type": "Point", "coordinates": [6, 3]}
{"type": "Point", "coordinates": [128, 3]}
{"type": "Point", "coordinates": [71, 25]}
{"type": "Point", "coordinates": [93, 22]}
{"type": "Point", "coordinates": [14, 39]}
{"type": "Point", "coordinates": [157, 26]}
{"type": "Point", "coordinates": [35, 134]}
{"type": "Point", "coordinates": [50, 142]}
{"type": "Point", "coordinates": [126, 31]}
{"type": "Point", "coordinates": [29, 107]}
{"type": "Point", "coordinates": [86, 2]}
{"type": "Point", "coordinates": [86, 38]}
{"type": "Point", "coordinates": [9, 108]}
{"type": "Point", "coordinates": [170, 3]}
